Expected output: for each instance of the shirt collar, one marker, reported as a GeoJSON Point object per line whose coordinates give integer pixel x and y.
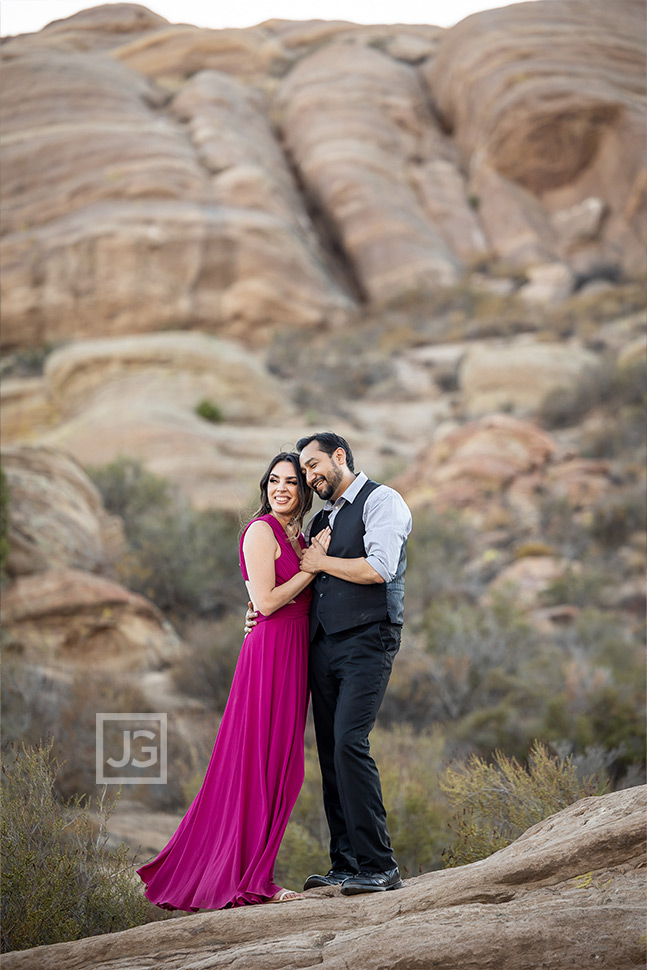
{"type": "Point", "coordinates": [351, 492]}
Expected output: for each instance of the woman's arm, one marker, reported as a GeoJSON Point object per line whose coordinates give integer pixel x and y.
{"type": "Point", "coordinates": [260, 549]}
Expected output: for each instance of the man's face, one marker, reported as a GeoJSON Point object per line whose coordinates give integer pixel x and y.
{"type": "Point", "coordinates": [323, 473]}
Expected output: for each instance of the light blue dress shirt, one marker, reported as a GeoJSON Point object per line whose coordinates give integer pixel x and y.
{"type": "Point", "coordinates": [387, 524]}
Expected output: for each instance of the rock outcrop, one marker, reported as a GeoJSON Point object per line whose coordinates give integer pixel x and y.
{"type": "Point", "coordinates": [56, 515]}
{"type": "Point", "coordinates": [569, 892]}
{"type": "Point", "coordinates": [544, 104]}
{"type": "Point", "coordinates": [65, 618]}
{"type": "Point", "coordinates": [163, 176]}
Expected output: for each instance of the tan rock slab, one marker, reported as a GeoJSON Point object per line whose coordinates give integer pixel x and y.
{"type": "Point", "coordinates": [56, 515]}
{"type": "Point", "coordinates": [580, 873]}
{"type": "Point", "coordinates": [70, 618]}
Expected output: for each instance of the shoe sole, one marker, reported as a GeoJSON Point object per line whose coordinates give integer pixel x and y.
{"type": "Point", "coordinates": [358, 890]}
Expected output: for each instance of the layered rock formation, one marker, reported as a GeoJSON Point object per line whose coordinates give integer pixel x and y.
{"type": "Point", "coordinates": [544, 106]}
{"type": "Point", "coordinates": [57, 518]}
{"type": "Point", "coordinates": [67, 618]}
{"type": "Point", "coordinates": [569, 892]}
{"type": "Point", "coordinates": [162, 176]}
{"type": "Point", "coordinates": [60, 613]}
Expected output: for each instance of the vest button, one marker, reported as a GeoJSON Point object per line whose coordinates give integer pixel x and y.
{"type": "Point", "coordinates": [320, 595]}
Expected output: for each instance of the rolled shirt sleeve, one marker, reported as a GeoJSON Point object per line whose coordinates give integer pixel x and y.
{"type": "Point", "coordinates": [387, 521]}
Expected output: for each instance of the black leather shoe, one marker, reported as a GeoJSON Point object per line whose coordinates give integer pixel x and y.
{"type": "Point", "coordinates": [334, 878]}
{"type": "Point", "coordinates": [372, 882]}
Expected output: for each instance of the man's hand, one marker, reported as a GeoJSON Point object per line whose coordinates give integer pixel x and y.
{"type": "Point", "coordinates": [250, 618]}
{"type": "Point", "coordinates": [314, 558]}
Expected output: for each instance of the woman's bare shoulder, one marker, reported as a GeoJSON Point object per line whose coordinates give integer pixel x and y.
{"type": "Point", "coordinates": [259, 531]}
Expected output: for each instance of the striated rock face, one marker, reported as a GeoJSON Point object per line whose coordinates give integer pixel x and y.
{"type": "Point", "coordinates": [66, 617]}
{"type": "Point", "coordinates": [545, 105]}
{"type": "Point", "coordinates": [110, 224]}
{"type": "Point", "coordinates": [366, 145]}
{"type": "Point", "coordinates": [164, 176]}
{"type": "Point", "coordinates": [56, 516]}
{"type": "Point", "coordinates": [569, 892]}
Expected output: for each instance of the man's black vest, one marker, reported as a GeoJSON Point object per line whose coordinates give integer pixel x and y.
{"type": "Point", "coordinates": [339, 605]}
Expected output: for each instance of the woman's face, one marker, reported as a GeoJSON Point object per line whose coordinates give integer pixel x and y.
{"type": "Point", "coordinates": [283, 489]}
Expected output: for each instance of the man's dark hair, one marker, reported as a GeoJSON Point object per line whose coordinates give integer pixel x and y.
{"type": "Point", "coordinates": [329, 442]}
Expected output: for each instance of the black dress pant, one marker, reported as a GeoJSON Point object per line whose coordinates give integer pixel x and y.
{"type": "Point", "coordinates": [348, 673]}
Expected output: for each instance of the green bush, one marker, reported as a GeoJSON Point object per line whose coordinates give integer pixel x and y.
{"type": "Point", "coordinates": [209, 411]}
{"type": "Point", "coordinates": [494, 803]}
{"type": "Point", "coordinates": [61, 881]}
{"type": "Point", "coordinates": [184, 560]}
{"type": "Point", "coordinates": [616, 516]}
{"type": "Point", "coordinates": [206, 668]}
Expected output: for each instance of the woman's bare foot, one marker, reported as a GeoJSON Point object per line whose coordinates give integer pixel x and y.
{"type": "Point", "coordinates": [284, 896]}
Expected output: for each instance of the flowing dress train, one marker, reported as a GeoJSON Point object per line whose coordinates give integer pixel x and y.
{"type": "Point", "coordinates": [224, 850]}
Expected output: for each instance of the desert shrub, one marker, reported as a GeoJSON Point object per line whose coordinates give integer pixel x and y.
{"type": "Point", "coordinates": [494, 802]}
{"type": "Point", "coordinates": [184, 560]}
{"type": "Point", "coordinates": [4, 522]}
{"type": "Point", "coordinates": [616, 516]}
{"type": "Point", "coordinates": [207, 665]}
{"type": "Point", "coordinates": [612, 385]}
{"type": "Point", "coordinates": [580, 587]}
{"type": "Point", "coordinates": [61, 880]}
{"type": "Point", "coordinates": [560, 526]}
{"type": "Point", "coordinates": [409, 764]}
{"type": "Point", "coordinates": [209, 411]}
{"type": "Point", "coordinates": [33, 703]}
{"type": "Point", "coordinates": [474, 648]}
{"type": "Point", "coordinates": [438, 550]}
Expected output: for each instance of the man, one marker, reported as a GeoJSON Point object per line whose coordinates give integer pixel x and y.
{"type": "Point", "coordinates": [355, 627]}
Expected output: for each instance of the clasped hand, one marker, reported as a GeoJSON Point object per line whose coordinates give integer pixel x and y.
{"type": "Point", "coordinates": [313, 557]}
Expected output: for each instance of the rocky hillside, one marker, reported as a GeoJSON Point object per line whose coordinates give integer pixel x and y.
{"type": "Point", "coordinates": [430, 240]}
{"type": "Point", "coordinates": [568, 893]}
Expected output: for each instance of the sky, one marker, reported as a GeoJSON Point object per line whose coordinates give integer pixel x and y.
{"type": "Point", "coordinates": [24, 16]}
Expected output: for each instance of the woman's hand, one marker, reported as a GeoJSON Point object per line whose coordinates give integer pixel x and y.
{"type": "Point", "coordinates": [323, 538]}
{"type": "Point", "coordinates": [314, 557]}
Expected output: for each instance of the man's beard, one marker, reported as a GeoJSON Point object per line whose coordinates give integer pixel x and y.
{"type": "Point", "coordinates": [329, 487]}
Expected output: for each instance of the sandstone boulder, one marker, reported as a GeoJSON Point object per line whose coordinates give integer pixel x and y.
{"type": "Point", "coordinates": [56, 516]}
{"type": "Point", "coordinates": [480, 459]}
{"type": "Point", "coordinates": [529, 577]}
{"type": "Point", "coordinates": [175, 369]}
{"type": "Point", "coordinates": [69, 618]}
{"type": "Point", "coordinates": [520, 375]}
{"type": "Point", "coordinates": [553, 118]}
{"type": "Point", "coordinates": [569, 892]}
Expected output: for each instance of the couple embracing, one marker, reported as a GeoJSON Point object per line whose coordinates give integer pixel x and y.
{"type": "Point", "coordinates": [327, 619]}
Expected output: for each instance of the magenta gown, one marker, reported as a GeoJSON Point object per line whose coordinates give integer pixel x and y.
{"type": "Point", "coordinates": [224, 850]}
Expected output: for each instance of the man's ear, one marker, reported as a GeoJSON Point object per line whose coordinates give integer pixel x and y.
{"type": "Point", "coordinates": [340, 456]}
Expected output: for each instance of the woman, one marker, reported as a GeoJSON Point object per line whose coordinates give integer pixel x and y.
{"type": "Point", "coordinates": [224, 850]}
